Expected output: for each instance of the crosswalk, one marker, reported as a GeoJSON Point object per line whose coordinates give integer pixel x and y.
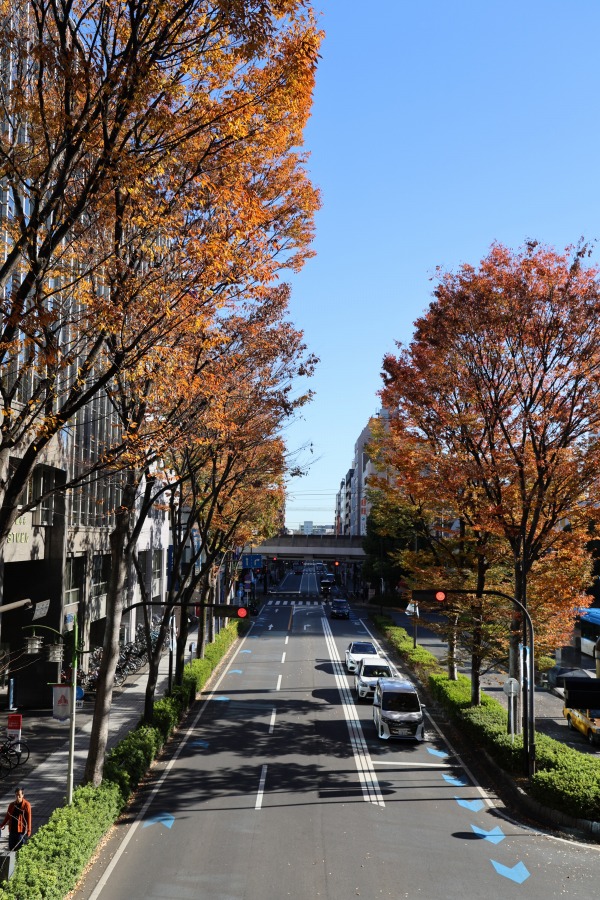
{"type": "Point", "coordinates": [294, 602]}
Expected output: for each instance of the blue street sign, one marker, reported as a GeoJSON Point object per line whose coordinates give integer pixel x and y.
{"type": "Point", "coordinates": [252, 561]}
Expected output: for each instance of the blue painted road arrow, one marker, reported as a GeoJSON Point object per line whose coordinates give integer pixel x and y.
{"type": "Point", "coordinates": [162, 819]}
{"type": "Point", "coordinates": [235, 672]}
{"type": "Point", "coordinates": [518, 873]}
{"type": "Point", "coordinates": [245, 651]}
{"type": "Point", "coordinates": [494, 836]}
{"type": "Point", "coordinates": [199, 744]}
{"type": "Point", "coordinates": [221, 697]}
{"type": "Point", "coordinates": [459, 782]}
{"type": "Point", "coordinates": [473, 805]}
{"type": "Point", "coordinates": [439, 753]}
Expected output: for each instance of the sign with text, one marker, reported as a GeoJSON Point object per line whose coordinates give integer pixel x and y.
{"type": "Point", "coordinates": [13, 728]}
{"type": "Point", "coordinates": [252, 561]}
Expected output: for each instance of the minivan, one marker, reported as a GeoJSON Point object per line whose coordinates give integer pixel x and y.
{"type": "Point", "coordinates": [397, 710]}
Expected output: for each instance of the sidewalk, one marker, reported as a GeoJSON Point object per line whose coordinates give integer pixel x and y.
{"type": "Point", "coordinates": [44, 777]}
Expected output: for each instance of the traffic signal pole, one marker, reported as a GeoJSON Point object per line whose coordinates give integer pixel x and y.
{"type": "Point", "coordinates": [529, 752]}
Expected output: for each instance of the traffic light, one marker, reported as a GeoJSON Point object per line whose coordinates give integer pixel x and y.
{"type": "Point", "coordinates": [336, 563]}
{"type": "Point", "coordinates": [434, 595]}
{"type": "Point", "coordinates": [274, 559]}
{"type": "Point", "coordinates": [228, 609]}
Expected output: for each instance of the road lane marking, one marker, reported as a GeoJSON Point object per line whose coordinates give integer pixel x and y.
{"type": "Point", "coordinates": [272, 722]}
{"type": "Point", "coordinates": [283, 657]}
{"type": "Point", "coordinates": [362, 758]}
{"type": "Point", "coordinates": [287, 637]}
{"type": "Point", "coordinates": [413, 765]}
{"type": "Point", "coordinates": [278, 684]}
{"type": "Point", "coordinates": [158, 786]}
{"type": "Point", "coordinates": [261, 788]}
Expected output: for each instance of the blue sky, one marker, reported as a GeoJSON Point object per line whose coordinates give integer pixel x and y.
{"type": "Point", "coordinates": [437, 129]}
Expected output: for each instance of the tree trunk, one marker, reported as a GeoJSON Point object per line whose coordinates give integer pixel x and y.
{"type": "Point", "coordinates": [477, 648]}
{"type": "Point", "coordinates": [110, 649]}
{"type": "Point", "coordinates": [452, 667]}
{"type": "Point", "coordinates": [477, 653]}
{"type": "Point", "coordinates": [182, 637]}
{"type": "Point", "coordinates": [516, 637]}
{"type": "Point", "coordinates": [154, 655]}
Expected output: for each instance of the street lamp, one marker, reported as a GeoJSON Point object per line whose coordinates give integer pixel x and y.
{"type": "Point", "coordinates": [528, 665]}
{"type": "Point", "coordinates": [56, 656]}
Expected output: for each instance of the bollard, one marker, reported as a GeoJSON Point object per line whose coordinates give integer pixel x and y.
{"type": "Point", "coordinates": [7, 864]}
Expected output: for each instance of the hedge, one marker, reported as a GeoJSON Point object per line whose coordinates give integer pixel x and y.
{"type": "Point", "coordinates": [565, 779]}
{"type": "Point", "coordinates": [51, 863]}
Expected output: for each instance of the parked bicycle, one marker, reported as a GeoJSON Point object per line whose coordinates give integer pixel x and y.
{"type": "Point", "coordinates": [12, 753]}
{"type": "Point", "coordinates": [17, 750]}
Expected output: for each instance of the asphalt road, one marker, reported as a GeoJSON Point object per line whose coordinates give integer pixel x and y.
{"type": "Point", "coordinates": [280, 788]}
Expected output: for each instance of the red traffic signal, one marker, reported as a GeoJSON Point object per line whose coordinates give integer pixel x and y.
{"type": "Point", "coordinates": [436, 595]}
{"type": "Point", "coordinates": [336, 563]}
{"type": "Point", "coordinates": [229, 610]}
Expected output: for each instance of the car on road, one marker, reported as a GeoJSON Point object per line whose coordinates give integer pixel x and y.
{"type": "Point", "coordinates": [397, 710]}
{"type": "Point", "coordinates": [370, 670]}
{"type": "Point", "coordinates": [356, 650]}
{"type": "Point", "coordinates": [340, 609]}
{"type": "Point", "coordinates": [587, 721]}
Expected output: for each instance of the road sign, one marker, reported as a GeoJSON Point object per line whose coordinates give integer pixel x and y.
{"type": "Point", "coordinates": [511, 687]}
{"type": "Point", "coordinates": [252, 561]}
{"type": "Point", "coordinates": [41, 609]}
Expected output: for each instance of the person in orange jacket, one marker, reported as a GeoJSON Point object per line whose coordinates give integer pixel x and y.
{"type": "Point", "coordinates": [18, 819]}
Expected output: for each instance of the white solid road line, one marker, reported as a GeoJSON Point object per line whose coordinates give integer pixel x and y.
{"type": "Point", "coordinates": [124, 844]}
{"type": "Point", "coordinates": [261, 788]}
{"type": "Point", "coordinates": [362, 757]}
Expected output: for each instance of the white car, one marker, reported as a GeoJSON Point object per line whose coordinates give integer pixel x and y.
{"type": "Point", "coordinates": [370, 670]}
{"type": "Point", "coordinates": [355, 652]}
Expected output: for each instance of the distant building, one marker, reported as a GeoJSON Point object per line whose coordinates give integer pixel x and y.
{"type": "Point", "coordinates": [351, 504]}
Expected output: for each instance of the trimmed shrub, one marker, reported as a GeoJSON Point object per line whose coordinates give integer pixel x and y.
{"type": "Point", "coordinates": [574, 789]}
{"type": "Point", "coordinates": [51, 863]}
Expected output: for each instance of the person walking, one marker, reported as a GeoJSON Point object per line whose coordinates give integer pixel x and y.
{"type": "Point", "coordinates": [18, 819]}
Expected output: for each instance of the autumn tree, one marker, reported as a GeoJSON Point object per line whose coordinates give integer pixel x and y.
{"type": "Point", "coordinates": [121, 113]}
{"type": "Point", "coordinates": [208, 412]}
{"type": "Point", "coordinates": [501, 380]}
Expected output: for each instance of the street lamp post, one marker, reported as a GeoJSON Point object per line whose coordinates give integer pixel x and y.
{"type": "Point", "coordinates": [528, 669]}
{"type": "Point", "coordinates": [73, 698]}
{"type": "Point", "coordinates": [528, 679]}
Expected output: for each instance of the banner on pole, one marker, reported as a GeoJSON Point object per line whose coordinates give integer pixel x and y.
{"type": "Point", "coordinates": [61, 702]}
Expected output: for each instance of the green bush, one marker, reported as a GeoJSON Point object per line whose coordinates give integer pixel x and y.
{"type": "Point", "coordinates": [129, 761]}
{"type": "Point", "coordinates": [575, 788]}
{"type": "Point", "coordinates": [49, 866]}
{"type": "Point", "coordinates": [51, 863]}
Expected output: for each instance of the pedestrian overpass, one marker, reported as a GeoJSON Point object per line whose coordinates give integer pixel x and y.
{"type": "Point", "coordinates": [328, 547]}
